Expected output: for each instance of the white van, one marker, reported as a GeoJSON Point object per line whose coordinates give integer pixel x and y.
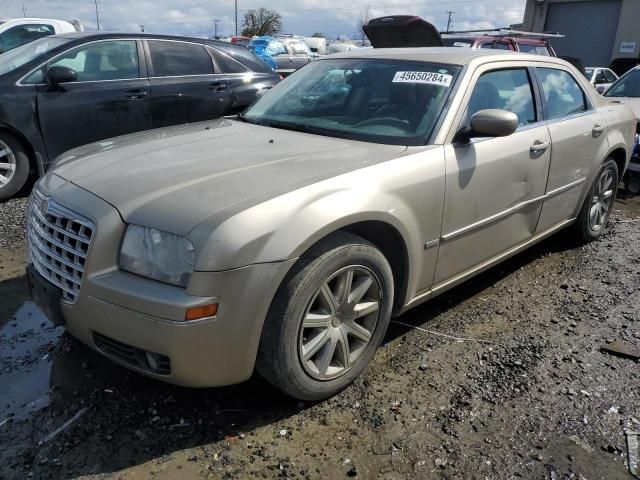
{"type": "Point", "coordinates": [18, 31]}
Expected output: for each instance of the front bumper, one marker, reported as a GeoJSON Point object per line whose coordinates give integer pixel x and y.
{"type": "Point", "coordinates": [125, 316]}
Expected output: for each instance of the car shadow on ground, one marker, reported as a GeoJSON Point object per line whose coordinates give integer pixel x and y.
{"type": "Point", "coordinates": [131, 419]}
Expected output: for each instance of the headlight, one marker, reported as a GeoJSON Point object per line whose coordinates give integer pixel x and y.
{"type": "Point", "coordinates": [159, 255]}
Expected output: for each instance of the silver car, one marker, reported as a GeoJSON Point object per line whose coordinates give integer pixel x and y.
{"type": "Point", "coordinates": [285, 239]}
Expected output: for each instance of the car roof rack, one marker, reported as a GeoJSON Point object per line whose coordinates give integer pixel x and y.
{"type": "Point", "coordinates": [507, 32]}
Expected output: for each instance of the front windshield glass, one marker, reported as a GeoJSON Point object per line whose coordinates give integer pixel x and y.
{"type": "Point", "coordinates": [627, 86]}
{"type": "Point", "coordinates": [24, 54]}
{"type": "Point", "coordinates": [374, 100]}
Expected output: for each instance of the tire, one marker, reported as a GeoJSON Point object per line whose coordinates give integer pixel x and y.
{"type": "Point", "coordinates": [289, 356]}
{"type": "Point", "coordinates": [632, 184]}
{"type": "Point", "coordinates": [14, 166]}
{"type": "Point", "coordinates": [586, 228]}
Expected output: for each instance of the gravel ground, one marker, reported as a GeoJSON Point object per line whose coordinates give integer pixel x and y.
{"type": "Point", "coordinates": [523, 391]}
{"type": "Point", "coordinates": [12, 220]}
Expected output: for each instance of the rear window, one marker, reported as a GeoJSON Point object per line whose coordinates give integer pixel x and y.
{"type": "Point", "coordinates": [533, 48]}
{"type": "Point", "coordinates": [176, 59]}
{"type": "Point", "coordinates": [228, 64]}
{"type": "Point", "coordinates": [246, 57]}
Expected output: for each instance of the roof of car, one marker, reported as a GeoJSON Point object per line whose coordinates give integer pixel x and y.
{"type": "Point", "coordinates": [451, 55]}
{"type": "Point", "coordinates": [102, 36]}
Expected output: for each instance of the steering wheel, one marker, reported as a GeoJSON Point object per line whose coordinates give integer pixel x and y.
{"type": "Point", "coordinates": [383, 120]}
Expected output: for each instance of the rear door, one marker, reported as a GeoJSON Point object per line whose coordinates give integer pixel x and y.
{"type": "Point", "coordinates": [494, 186]}
{"type": "Point", "coordinates": [109, 99]}
{"type": "Point", "coordinates": [184, 84]}
{"type": "Point", "coordinates": [577, 134]}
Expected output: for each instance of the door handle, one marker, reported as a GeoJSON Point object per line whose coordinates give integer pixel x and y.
{"type": "Point", "coordinates": [217, 86]}
{"type": "Point", "coordinates": [135, 94]}
{"type": "Point", "coordinates": [539, 146]}
{"type": "Point", "coordinates": [597, 130]}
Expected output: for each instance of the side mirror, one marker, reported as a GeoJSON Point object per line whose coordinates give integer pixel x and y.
{"type": "Point", "coordinates": [600, 89]}
{"type": "Point", "coordinates": [493, 123]}
{"type": "Point", "coordinates": [58, 75]}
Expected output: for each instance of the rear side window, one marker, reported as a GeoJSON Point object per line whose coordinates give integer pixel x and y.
{"type": "Point", "coordinates": [176, 59]}
{"type": "Point", "coordinates": [108, 60]}
{"type": "Point", "coordinates": [228, 64]}
{"type": "Point", "coordinates": [22, 34]}
{"type": "Point", "coordinates": [609, 76]}
{"type": "Point", "coordinates": [561, 93]}
{"type": "Point", "coordinates": [246, 57]}
{"type": "Point", "coordinates": [506, 90]}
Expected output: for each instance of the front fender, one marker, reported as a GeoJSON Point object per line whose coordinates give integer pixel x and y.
{"type": "Point", "coordinates": [407, 193]}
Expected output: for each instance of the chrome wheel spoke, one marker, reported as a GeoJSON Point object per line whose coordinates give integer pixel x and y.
{"type": "Point", "coordinates": [365, 308]}
{"type": "Point", "coordinates": [7, 166]}
{"type": "Point", "coordinates": [4, 180]}
{"type": "Point", "coordinates": [315, 344]}
{"type": "Point", "coordinates": [343, 352]}
{"type": "Point", "coordinates": [593, 214]}
{"type": "Point", "coordinates": [607, 194]}
{"type": "Point", "coordinates": [328, 298]}
{"type": "Point", "coordinates": [358, 331]}
{"type": "Point", "coordinates": [317, 320]}
{"type": "Point", "coordinates": [343, 287]}
{"type": "Point", "coordinates": [359, 290]}
{"type": "Point", "coordinates": [326, 355]}
{"type": "Point", "coordinates": [4, 152]}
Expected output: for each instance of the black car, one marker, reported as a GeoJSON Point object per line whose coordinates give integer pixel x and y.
{"type": "Point", "coordinates": [67, 90]}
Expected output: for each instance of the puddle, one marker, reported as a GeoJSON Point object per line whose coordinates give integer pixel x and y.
{"type": "Point", "coordinates": [26, 343]}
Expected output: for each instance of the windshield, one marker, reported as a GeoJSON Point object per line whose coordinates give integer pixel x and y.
{"type": "Point", "coordinates": [382, 101]}
{"type": "Point", "coordinates": [24, 54]}
{"type": "Point", "coordinates": [627, 86]}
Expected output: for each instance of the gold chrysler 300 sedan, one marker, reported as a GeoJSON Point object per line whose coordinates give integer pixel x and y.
{"type": "Point", "coordinates": [284, 240]}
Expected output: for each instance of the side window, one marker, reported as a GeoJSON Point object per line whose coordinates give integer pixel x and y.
{"type": "Point", "coordinates": [506, 90]}
{"type": "Point", "coordinates": [110, 60]}
{"type": "Point", "coordinates": [177, 59]}
{"type": "Point", "coordinates": [533, 48]}
{"type": "Point", "coordinates": [501, 46]}
{"type": "Point", "coordinates": [22, 34]}
{"type": "Point", "coordinates": [609, 76]}
{"type": "Point", "coordinates": [562, 94]}
{"type": "Point", "coordinates": [486, 45]}
{"type": "Point", "coordinates": [228, 64]}
{"type": "Point", "coordinates": [601, 77]}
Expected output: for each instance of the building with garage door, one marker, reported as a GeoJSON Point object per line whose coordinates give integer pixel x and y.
{"type": "Point", "coordinates": [596, 31]}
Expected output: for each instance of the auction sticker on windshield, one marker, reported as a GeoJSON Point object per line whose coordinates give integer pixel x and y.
{"type": "Point", "coordinates": [432, 78]}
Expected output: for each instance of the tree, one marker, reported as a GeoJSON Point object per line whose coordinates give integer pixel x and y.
{"type": "Point", "coordinates": [261, 22]}
{"type": "Point", "coordinates": [363, 19]}
{"type": "Point", "coordinates": [318, 35]}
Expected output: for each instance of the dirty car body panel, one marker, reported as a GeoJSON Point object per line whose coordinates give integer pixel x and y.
{"type": "Point", "coordinates": [252, 196]}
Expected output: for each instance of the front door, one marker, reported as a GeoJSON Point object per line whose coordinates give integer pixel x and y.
{"type": "Point", "coordinates": [110, 97]}
{"type": "Point", "coordinates": [494, 186]}
{"type": "Point", "coordinates": [184, 86]}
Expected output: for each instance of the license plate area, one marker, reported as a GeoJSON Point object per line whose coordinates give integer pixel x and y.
{"type": "Point", "coordinates": [45, 295]}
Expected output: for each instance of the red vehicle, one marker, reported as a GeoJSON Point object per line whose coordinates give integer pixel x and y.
{"type": "Point", "coordinates": [503, 39]}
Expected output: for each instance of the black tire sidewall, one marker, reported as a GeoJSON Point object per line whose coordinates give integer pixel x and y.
{"type": "Point", "coordinates": [21, 173]}
{"type": "Point", "coordinates": [279, 361]}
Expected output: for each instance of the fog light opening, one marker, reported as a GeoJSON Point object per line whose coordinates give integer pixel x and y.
{"type": "Point", "coordinates": [151, 361]}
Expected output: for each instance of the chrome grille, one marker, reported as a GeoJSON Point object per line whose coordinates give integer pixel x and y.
{"type": "Point", "coordinates": [58, 241]}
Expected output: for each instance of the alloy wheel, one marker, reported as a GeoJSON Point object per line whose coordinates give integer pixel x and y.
{"type": "Point", "coordinates": [339, 322]}
{"type": "Point", "coordinates": [601, 200]}
{"type": "Point", "coordinates": [7, 164]}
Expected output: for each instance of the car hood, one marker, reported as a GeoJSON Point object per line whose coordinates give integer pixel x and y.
{"type": "Point", "coordinates": [173, 178]}
{"type": "Point", "coordinates": [633, 102]}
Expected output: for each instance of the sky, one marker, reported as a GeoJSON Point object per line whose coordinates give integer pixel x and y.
{"type": "Point", "coordinates": [333, 18]}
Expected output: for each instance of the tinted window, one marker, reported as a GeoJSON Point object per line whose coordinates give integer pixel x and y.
{"type": "Point", "coordinates": [246, 57]}
{"type": "Point", "coordinates": [609, 76]}
{"type": "Point", "coordinates": [600, 77]}
{"type": "Point", "coordinates": [506, 90]}
{"type": "Point", "coordinates": [175, 59]}
{"type": "Point", "coordinates": [111, 60]}
{"type": "Point", "coordinates": [562, 94]}
{"type": "Point", "coordinates": [627, 86]}
{"type": "Point", "coordinates": [228, 64]}
{"type": "Point", "coordinates": [486, 45]}
{"type": "Point", "coordinates": [501, 46]}
{"type": "Point", "coordinates": [22, 34]}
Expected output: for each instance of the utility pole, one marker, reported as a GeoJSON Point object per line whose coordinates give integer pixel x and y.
{"type": "Point", "coordinates": [449, 20]}
{"type": "Point", "coordinates": [24, 11]}
{"type": "Point", "coordinates": [97, 14]}
{"type": "Point", "coordinates": [236, 3]}
{"type": "Point", "coordinates": [215, 28]}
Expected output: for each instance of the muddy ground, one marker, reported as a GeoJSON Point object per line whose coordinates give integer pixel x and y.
{"type": "Point", "coordinates": [527, 394]}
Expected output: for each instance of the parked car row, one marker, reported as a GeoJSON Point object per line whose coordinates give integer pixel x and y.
{"type": "Point", "coordinates": [62, 91]}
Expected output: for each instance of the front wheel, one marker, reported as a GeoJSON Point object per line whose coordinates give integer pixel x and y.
{"type": "Point", "coordinates": [14, 166]}
{"type": "Point", "coordinates": [597, 207]}
{"type": "Point", "coordinates": [327, 319]}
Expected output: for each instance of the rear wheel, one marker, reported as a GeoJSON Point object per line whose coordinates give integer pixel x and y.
{"type": "Point", "coordinates": [327, 319]}
{"type": "Point", "coordinates": [14, 166]}
{"type": "Point", "coordinates": [597, 207]}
